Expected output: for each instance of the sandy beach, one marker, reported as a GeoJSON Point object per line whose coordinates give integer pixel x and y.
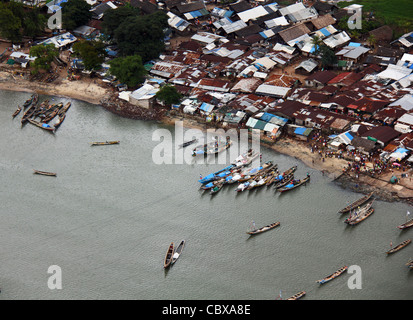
{"type": "Point", "coordinates": [88, 91]}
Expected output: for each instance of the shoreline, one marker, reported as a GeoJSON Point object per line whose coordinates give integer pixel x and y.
{"type": "Point", "coordinates": [103, 97]}
{"type": "Point", "coordinates": [78, 90]}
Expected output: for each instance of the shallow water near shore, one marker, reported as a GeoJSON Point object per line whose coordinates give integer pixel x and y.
{"type": "Point", "coordinates": [108, 217]}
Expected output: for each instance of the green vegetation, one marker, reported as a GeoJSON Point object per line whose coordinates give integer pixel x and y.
{"type": "Point", "coordinates": [75, 13]}
{"type": "Point", "coordinates": [395, 13]}
{"type": "Point", "coordinates": [114, 17]}
{"type": "Point", "coordinates": [92, 53]}
{"type": "Point", "coordinates": [141, 35]}
{"type": "Point", "coordinates": [128, 70]}
{"type": "Point", "coordinates": [44, 54]}
{"type": "Point", "coordinates": [16, 22]}
{"type": "Point", "coordinates": [169, 95]}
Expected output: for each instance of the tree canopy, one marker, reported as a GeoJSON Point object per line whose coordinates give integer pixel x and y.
{"type": "Point", "coordinates": [129, 70]}
{"type": "Point", "coordinates": [92, 53]}
{"type": "Point", "coordinates": [169, 95]}
{"type": "Point", "coordinates": [10, 24]}
{"type": "Point", "coordinates": [44, 54]}
{"type": "Point", "coordinates": [142, 35]}
{"type": "Point", "coordinates": [75, 13]}
{"type": "Point", "coordinates": [114, 17]}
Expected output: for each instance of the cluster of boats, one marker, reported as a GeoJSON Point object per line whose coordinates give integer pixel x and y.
{"type": "Point", "coordinates": [362, 208]}
{"type": "Point", "coordinates": [42, 114]}
{"type": "Point", "coordinates": [266, 174]}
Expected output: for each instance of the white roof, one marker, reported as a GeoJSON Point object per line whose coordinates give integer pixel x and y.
{"type": "Point", "coordinates": [60, 40]}
{"type": "Point", "coordinates": [145, 92]}
{"type": "Point", "coordinates": [270, 90]}
{"type": "Point", "coordinates": [21, 55]}
{"type": "Point", "coordinates": [309, 65]}
{"type": "Point", "coordinates": [337, 39]}
{"type": "Point", "coordinates": [252, 14]}
{"type": "Point", "coordinates": [266, 62]}
{"type": "Point", "coordinates": [205, 37]}
{"type": "Point", "coordinates": [292, 8]}
{"type": "Point", "coordinates": [394, 72]}
{"type": "Point", "coordinates": [235, 26]}
{"type": "Point", "coordinates": [284, 48]}
{"type": "Point", "coordinates": [406, 102]}
{"type": "Point", "coordinates": [176, 22]}
{"type": "Point", "coordinates": [407, 118]}
{"type": "Point", "coordinates": [352, 52]}
{"type": "Point", "coordinates": [407, 57]}
{"type": "Point", "coordinates": [280, 21]}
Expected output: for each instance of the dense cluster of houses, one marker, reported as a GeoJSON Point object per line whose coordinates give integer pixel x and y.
{"type": "Point", "coordinates": [231, 68]}
{"type": "Point", "coordinates": [254, 64]}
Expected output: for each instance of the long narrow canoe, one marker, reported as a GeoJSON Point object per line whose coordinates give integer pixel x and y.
{"type": "Point", "coordinates": [286, 180]}
{"type": "Point", "coordinates": [17, 111]}
{"type": "Point", "coordinates": [169, 255]}
{"type": "Point", "coordinates": [263, 229]}
{"type": "Point", "coordinates": [178, 252]}
{"type": "Point", "coordinates": [188, 143]}
{"type": "Point", "coordinates": [406, 225]}
{"type": "Point", "coordinates": [297, 296]}
{"type": "Point", "coordinates": [360, 218]}
{"type": "Point", "coordinates": [357, 203]}
{"type": "Point", "coordinates": [410, 264]}
{"type": "Point", "coordinates": [399, 246]}
{"type": "Point", "coordinates": [104, 143]}
{"type": "Point", "coordinates": [41, 125]}
{"type": "Point", "coordinates": [293, 185]}
{"type": "Point", "coordinates": [45, 173]}
{"type": "Point", "coordinates": [360, 214]}
{"type": "Point", "coordinates": [333, 276]}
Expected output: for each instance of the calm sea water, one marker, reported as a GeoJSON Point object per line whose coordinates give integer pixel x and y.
{"type": "Point", "coordinates": [108, 217]}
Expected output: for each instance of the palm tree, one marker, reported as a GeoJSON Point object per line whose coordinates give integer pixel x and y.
{"type": "Point", "coordinates": [317, 42]}
{"type": "Point", "coordinates": [371, 40]}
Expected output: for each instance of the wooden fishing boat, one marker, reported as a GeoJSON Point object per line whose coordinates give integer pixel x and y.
{"type": "Point", "coordinates": [360, 214]}
{"type": "Point", "coordinates": [217, 188]}
{"type": "Point", "coordinates": [217, 175]}
{"type": "Point", "coordinates": [105, 143]}
{"type": "Point", "coordinates": [17, 111]}
{"type": "Point", "coordinates": [29, 112]}
{"type": "Point", "coordinates": [178, 252]}
{"type": "Point", "coordinates": [246, 159]}
{"type": "Point", "coordinates": [399, 246]}
{"type": "Point", "coordinates": [59, 120]}
{"type": "Point", "coordinates": [294, 184]}
{"type": "Point", "coordinates": [360, 218]}
{"type": "Point", "coordinates": [332, 276]}
{"type": "Point", "coordinates": [188, 143]}
{"type": "Point", "coordinates": [297, 296]}
{"type": "Point", "coordinates": [65, 108]}
{"type": "Point", "coordinates": [251, 173]}
{"type": "Point", "coordinates": [29, 101]}
{"type": "Point", "coordinates": [44, 126]}
{"type": "Point", "coordinates": [263, 229]}
{"type": "Point", "coordinates": [406, 225]}
{"type": "Point", "coordinates": [45, 173]}
{"type": "Point", "coordinates": [286, 180]}
{"type": "Point", "coordinates": [357, 203]}
{"type": "Point", "coordinates": [410, 264]}
{"type": "Point", "coordinates": [169, 255]}
{"type": "Point", "coordinates": [53, 113]}
{"type": "Point", "coordinates": [242, 186]}
{"type": "Point", "coordinates": [213, 147]}
{"type": "Point", "coordinates": [271, 177]}
{"type": "Point", "coordinates": [212, 184]}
